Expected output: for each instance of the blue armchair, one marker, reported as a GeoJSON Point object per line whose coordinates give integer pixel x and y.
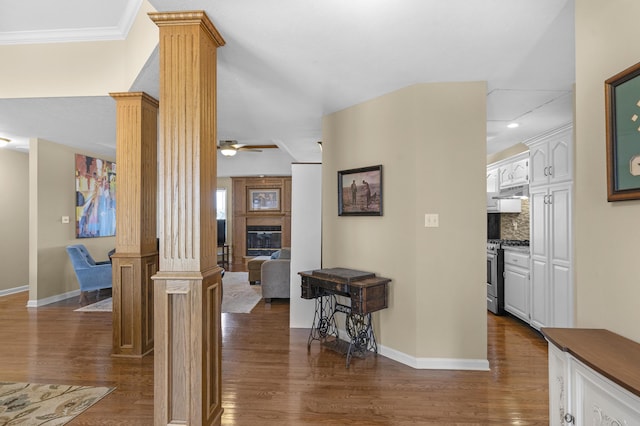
{"type": "Point", "coordinates": [91, 275]}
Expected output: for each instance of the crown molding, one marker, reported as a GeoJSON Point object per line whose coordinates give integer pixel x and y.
{"type": "Point", "coordinates": [107, 33]}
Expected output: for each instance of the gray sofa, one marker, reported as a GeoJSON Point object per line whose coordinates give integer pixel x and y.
{"type": "Point", "coordinates": [275, 276]}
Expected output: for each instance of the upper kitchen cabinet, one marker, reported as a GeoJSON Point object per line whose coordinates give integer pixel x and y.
{"type": "Point", "coordinates": [515, 172]}
{"type": "Point", "coordinates": [495, 204]}
{"type": "Point", "coordinates": [551, 158]}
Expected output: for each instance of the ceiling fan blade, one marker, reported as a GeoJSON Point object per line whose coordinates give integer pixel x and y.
{"type": "Point", "coordinates": [232, 144]}
{"type": "Point", "coordinates": [260, 147]}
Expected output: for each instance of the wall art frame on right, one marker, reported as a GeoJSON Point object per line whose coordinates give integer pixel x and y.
{"type": "Point", "coordinates": [360, 191]}
{"type": "Point", "coordinates": [622, 108]}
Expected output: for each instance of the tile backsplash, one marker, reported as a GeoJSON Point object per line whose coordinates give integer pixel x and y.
{"type": "Point", "coordinates": [515, 226]}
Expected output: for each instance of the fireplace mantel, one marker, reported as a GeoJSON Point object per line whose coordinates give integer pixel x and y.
{"type": "Point", "coordinates": [244, 215]}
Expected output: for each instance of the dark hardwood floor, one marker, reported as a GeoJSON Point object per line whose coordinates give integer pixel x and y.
{"type": "Point", "coordinates": [269, 378]}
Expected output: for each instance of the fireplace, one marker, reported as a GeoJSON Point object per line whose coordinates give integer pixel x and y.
{"type": "Point", "coordinates": [263, 240]}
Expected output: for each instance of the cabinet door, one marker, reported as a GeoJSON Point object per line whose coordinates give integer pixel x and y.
{"type": "Point", "coordinates": [493, 180]}
{"type": "Point", "coordinates": [516, 292]}
{"type": "Point", "coordinates": [539, 229]}
{"type": "Point", "coordinates": [558, 386]}
{"type": "Point", "coordinates": [559, 201]}
{"type": "Point", "coordinates": [560, 300]}
{"type": "Point", "coordinates": [505, 176]}
{"type": "Point", "coordinates": [538, 222]}
{"type": "Point", "coordinates": [538, 165]}
{"type": "Point", "coordinates": [598, 401]}
{"type": "Point", "coordinates": [539, 293]}
{"type": "Point", "coordinates": [520, 172]}
{"type": "Point", "coordinates": [560, 161]}
{"type": "Point", "coordinates": [560, 279]}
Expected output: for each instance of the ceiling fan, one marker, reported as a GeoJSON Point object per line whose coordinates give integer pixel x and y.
{"type": "Point", "coordinates": [229, 148]}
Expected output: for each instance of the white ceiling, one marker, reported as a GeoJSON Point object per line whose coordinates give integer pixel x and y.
{"type": "Point", "coordinates": [286, 63]}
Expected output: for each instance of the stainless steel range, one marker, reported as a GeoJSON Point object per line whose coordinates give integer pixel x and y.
{"type": "Point", "coordinates": [495, 273]}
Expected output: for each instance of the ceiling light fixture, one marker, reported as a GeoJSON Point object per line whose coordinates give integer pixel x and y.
{"type": "Point", "coordinates": [513, 125]}
{"type": "Point", "coordinates": [4, 142]}
{"type": "Point", "coordinates": [228, 151]}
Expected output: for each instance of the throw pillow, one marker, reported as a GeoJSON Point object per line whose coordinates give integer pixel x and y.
{"type": "Point", "coordinates": [275, 255]}
{"type": "Point", "coordinates": [285, 253]}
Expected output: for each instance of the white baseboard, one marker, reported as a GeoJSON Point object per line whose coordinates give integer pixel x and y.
{"type": "Point", "coordinates": [14, 290]}
{"type": "Point", "coordinates": [428, 363]}
{"type": "Point", "coordinates": [434, 363]}
{"type": "Point", "coordinates": [52, 299]}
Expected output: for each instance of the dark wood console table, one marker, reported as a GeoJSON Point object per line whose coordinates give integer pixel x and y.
{"type": "Point", "coordinates": [367, 294]}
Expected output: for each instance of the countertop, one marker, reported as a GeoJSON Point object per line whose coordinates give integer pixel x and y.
{"type": "Point", "coordinates": [615, 357]}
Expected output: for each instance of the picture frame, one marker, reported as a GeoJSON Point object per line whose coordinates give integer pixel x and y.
{"type": "Point", "coordinates": [360, 191]}
{"type": "Point", "coordinates": [263, 199]}
{"type": "Point", "coordinates": [622, 109]}
{"type": "Point", "coordinates": [95, 200]}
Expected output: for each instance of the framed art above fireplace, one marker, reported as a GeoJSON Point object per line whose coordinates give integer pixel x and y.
{"type": "Point", "coordinates": [263, 199]}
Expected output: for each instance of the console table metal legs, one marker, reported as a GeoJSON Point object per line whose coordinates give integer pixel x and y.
{"type": "Point", "coordinates": [358, 327]}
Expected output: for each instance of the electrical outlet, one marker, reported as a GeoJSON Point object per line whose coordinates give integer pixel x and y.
{"type": "Point", "coordinates": [431, 220]}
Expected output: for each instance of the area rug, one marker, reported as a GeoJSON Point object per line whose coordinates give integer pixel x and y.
{"type": "Point", "coordinates": [104, 305]}
{"type": "Point", "coordinates": [31, 404]}
{"type": "Point", "coordinates": [239, 297]}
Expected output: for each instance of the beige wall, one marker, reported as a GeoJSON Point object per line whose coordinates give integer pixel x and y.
{"type": "Point", "coordinates": [509, 152]}
{"type": "Point", "coordinates": [432, 163]}
{"type": "Point", "coordinates": [78, 68]}
{"type": "Point", "coordinates": [606, 234]}
{"type": "Point", "coordinates": [14, 217]}
{"type": "Point", "coordinates": [52, 195]}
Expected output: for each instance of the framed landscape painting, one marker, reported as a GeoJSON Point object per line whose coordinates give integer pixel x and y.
{"type": "Point", "coordinates": [360, 191]}
{"type": "Point", "coordinates": [264, 199]}
{"type": "Point", "coordinates": [622, 93]}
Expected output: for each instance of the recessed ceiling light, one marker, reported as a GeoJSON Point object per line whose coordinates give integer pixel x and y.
{"type": "Point", "coordinates": [512, 125]}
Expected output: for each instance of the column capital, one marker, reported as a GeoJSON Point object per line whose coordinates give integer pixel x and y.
{"type": "Point", "coordinates": [135, 95]}
{"type": "Point", "coordinates": [188, 17]}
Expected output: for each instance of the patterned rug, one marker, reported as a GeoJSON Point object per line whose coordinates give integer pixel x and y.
{"type": "Point", "coordinates": [30, 404]}
{"type": "Point", "coordinates": [239, 297]}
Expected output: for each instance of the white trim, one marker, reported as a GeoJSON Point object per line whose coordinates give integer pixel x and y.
{"type": "Point", "coordinates": [52, 299]}
{"type": "Point", "coordinates": [110, 33]}
{"type": "Point", "coordinates": [548, 134]}
{"type": "Point", "coordinates": [14, 290]}
{"type": "Point", "coordinates": [430, 363]}
{"type": "Point", "coordinates": [434, 363]}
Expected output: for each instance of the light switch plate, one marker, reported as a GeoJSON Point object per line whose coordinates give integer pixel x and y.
{"type": "Point", "coordinates": [431, 220]}
{"type": "Point", "coordinates": [65, 219]}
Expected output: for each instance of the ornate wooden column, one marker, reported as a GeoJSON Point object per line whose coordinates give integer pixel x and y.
{"type": "Point", "coordinates": [188, 287]}
{"type": "Point", "coordinates": [136, 257]}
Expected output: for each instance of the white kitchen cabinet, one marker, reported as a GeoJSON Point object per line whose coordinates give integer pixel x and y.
{"type": "Point", "coordinates": [599, 401]}
{"type": "Point", "coordinates": [558, 386]}
{"type": "Point", "coordinates": [516, 283]}
{"type": "Point", "coordinates": [593, 378]}
{"type": "Point", "coordinates": [515, 172]}
{"type": "Point", "coordinates": [495, 205]}
{"type": "Point", "coordinates": [493, 179]}
{"type": "Point", "coordinates": [551, 159]}
{"type": "Point", "coordinates": [551, 281]}
{"type": "Point", "coordinates": [550, 212]}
